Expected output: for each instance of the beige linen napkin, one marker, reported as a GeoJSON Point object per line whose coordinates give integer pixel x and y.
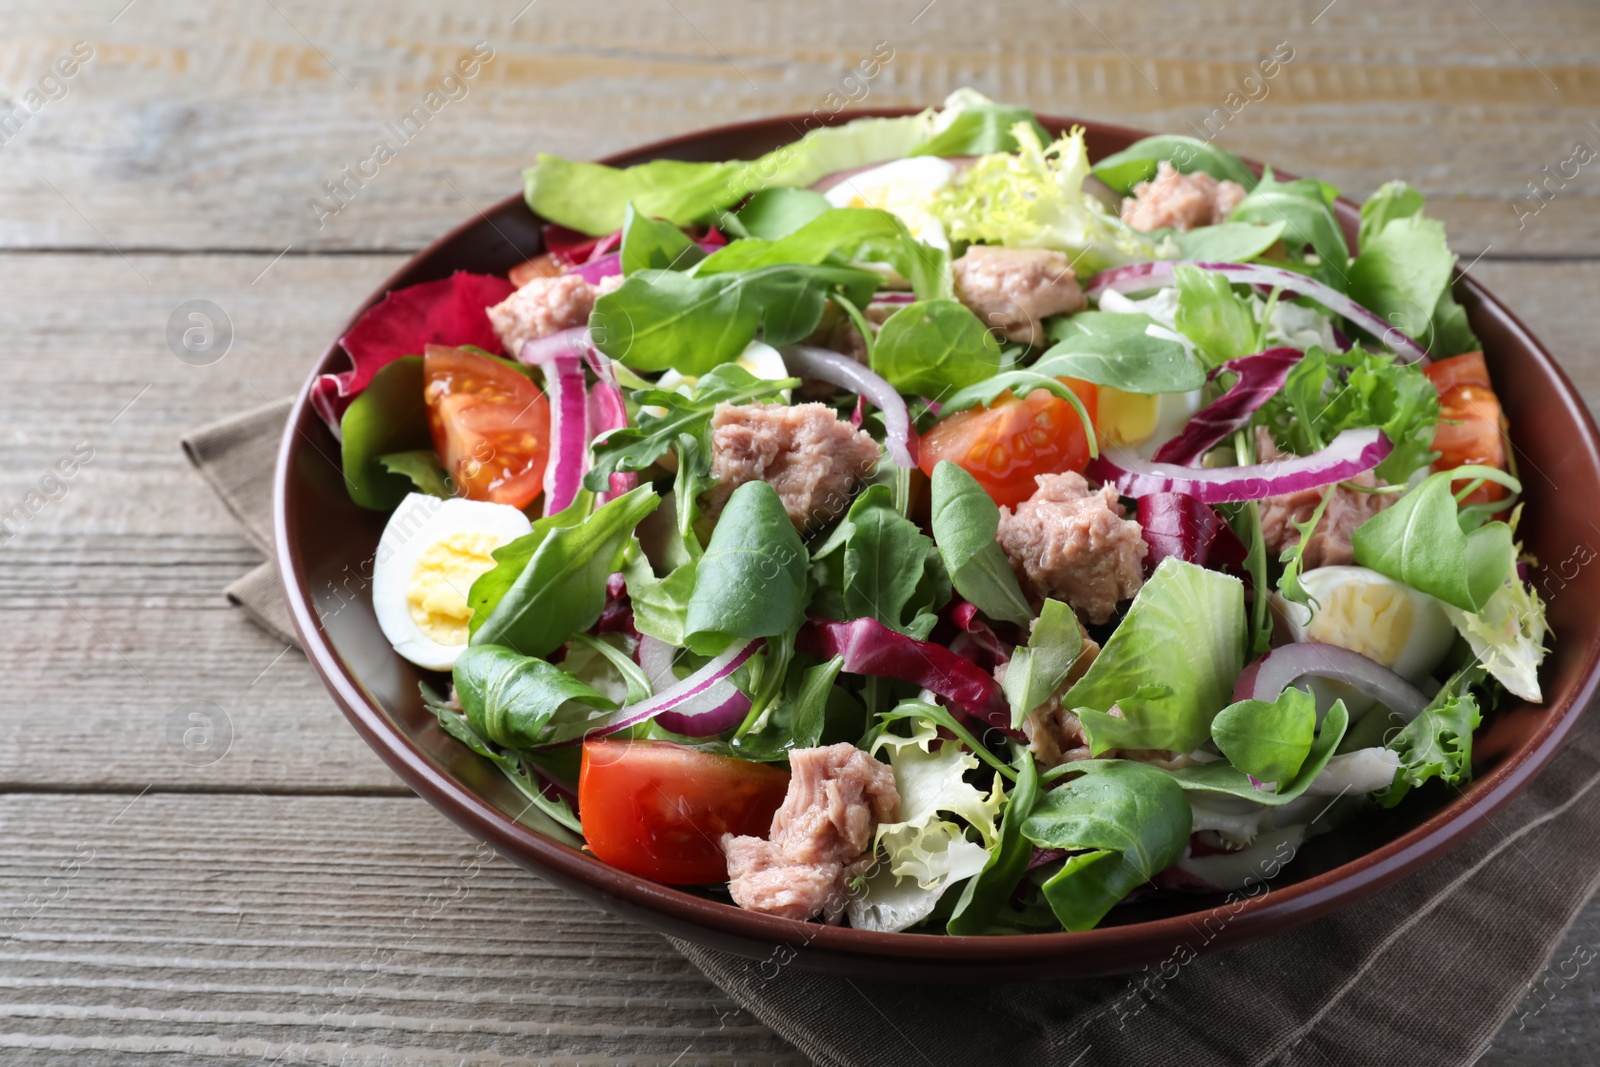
{"type": "Point", "coordinates": [1423, 973]}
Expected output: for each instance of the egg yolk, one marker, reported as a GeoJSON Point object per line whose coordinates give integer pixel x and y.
{"type": "Point", "coordinates": [1370, 619]}
{"type": "Point", "coordinates": [436, 595]}
{"type": "Point", "coordinates": [1125, 418]}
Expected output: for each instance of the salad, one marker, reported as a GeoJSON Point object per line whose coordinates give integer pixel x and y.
{"type": "Point", "coordinates": [924, 528]}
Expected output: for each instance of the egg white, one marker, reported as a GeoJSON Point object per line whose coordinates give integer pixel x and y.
{"type": "Point", "coordinates": [1384, 620]}
{"type": "Point", "coordinates": [419, 523]}
{"type": "Point", "coordinates": [904, 187]}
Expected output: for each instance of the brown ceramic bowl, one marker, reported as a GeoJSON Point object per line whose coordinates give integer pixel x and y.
{"type": "Point", "coordinates": [325, 544]}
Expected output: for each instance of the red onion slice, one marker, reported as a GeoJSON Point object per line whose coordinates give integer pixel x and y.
{"type": "Point", "coordinates": [838, 369]}
{"type": "Point", "coordinates": [1158, 275]}
{"type": "Point", "coordinates": [655, 659]}
{"type": "Point", "coordinates": [1269, 676]}
{"type": "Point", "coordinates": [1260, 378]}
{"type": "Point", "coordinates": [569, 438]}
{"type": "Point", "coordinates": [705, 703]}
{"type": "Point", "coordinates": [1351, 453]}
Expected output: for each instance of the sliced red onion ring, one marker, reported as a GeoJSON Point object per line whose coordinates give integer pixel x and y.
{"type": "Point", "coordinates": [1158, 275]}
{"type": "Point", "coordinates": [705, 703]}
{"type": "Point", "coordinates": [838, 369]}
{"type": "Point", "coordinates": [1351, 453]}
{"type": "Point", "coordinates": [889, 296]}
{"type": "Point", "coordinates": [569, 439]}
{"type": "Point", "coordinates": [655, 659]}
{"type": "Point", "coordinates": [1260, 377]}
{"type": "Point", "coordinates": [1269, 676]}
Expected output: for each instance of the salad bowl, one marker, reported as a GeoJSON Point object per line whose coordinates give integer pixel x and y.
{"type": "Point", "coordinates": [326, 546]}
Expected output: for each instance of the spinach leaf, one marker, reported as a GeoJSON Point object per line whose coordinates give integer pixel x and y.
{"type": "Point", "coordinates": [560, 822]}
{"type": "Point", "coordinates": [774, 213]}
{"type": "Point", "coordinates": [796, 720]}
{"type": "Point", "coordinates": [887, 568]}
{"type": "Point", "coordinates": [1038, 668]}
{"type": "Point", "coordinates": [422, 466]}
{"type": "Point", "coordinates": [1228, 242]}
{"type": "Point", "coordinates": [1225, 778]}
{"type": "Point", "coordinates": [558, 576]}
{"type": "Point", "coordinates": [510, 698]}
{"type": "Point", "coordinates": [1305, 207]}
{"type": "Point", "coordinates": [980, 131]}
{"type": "Point", "coordinates": [965, 520]}
{"type": "Point", "coordinates": [1131, 362]}
{"type": "Point", "coordinates": [389, 416]}
{"type": "Point", "coordinates": [1419, 541]}
{"type": "Point", "coordinates": [751, 582]}
{"type": "Point", "coordinates": [693, 323]}
{"type": "Point", "coordinates": [1212, 315]}
{"type": "Point", "coordinates": [1133, 818]}
{"type": "Point", "coordinates": [1269, 739]}
{"type": "Point", "coordinates": [1137, 163]}
{"type": "Point", "coordinates": [648, 244]}
{"type": "Point", "coordinates": [1170, 666]}
{"type": "Point", "coordinates": [990, 889]}
{"type": "Point", "coordinates": [1438, 743]}
{"type": "Point", "coordinates": [636, 447]}
{"type": "Point", "coordinates": [934, 347]}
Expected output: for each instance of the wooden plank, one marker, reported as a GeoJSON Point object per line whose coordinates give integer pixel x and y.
{"type": "Point", "coordinates": [219, 132]}
{"type": "Point", "coordinates": [315, 930]}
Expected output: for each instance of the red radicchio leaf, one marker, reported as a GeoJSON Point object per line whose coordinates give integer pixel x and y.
{"type": "Point", "coordinates": [869, 647]}
{"type": "Point", "coordinates": [1260, 377]}
{"type": "Point", "coordinates": [450, 311]}
{"type": "Point", "coordinates": [572, 248]}
{"type": "Point", "coordinates": [1177, 524]}
{"type": "Point", "coordinates": [975, 639]}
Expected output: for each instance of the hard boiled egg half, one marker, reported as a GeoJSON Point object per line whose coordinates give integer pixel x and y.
{"type": "Point", "coordinates": [428, 557]}
{"type": "Point", "coordinates": [1366, 612]}
{"type": "Point", "coordinates": [758, 357]}
{"type": "Point", "coordinates": [905, 187]}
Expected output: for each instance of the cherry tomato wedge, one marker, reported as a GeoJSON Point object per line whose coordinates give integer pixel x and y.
{"type": "Point", "coordinates": [660, 810]}
{"type": "Point", "coordinates": [1005, 444]}
{"type": "Point", "coordinates": [543, 265]}
{"type": "Point", "coordinates": [1470, 429]}
{"type": "Point", "coordinates": [490, 425]}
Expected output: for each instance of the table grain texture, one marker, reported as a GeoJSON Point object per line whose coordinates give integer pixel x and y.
{"type": "Point", "coordinates": [292, 902]}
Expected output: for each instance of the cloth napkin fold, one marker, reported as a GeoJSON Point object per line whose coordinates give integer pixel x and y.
{"type": "Point", "coordinates": [1422, 973]}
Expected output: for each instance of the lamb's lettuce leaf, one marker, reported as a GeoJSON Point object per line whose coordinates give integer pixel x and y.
{"type": "Point", "coordinates": [388, 417]}
{"type": "Point", "coordinates": [1169, 667]}
{"type": "Point", "coordinates": [423, 467]}
{"type": "Point", "coordinates": [751, 582]}
{"type": "Point", "coordinates": [1212, 315]}
{"type": "Point", "coordinates": [934, 347]}
{"type": "Point", "coordinates": [774, 213]}
{"type": "Point", "coordinates": [1404, 270]}
{"type": "Point", "coordinates": [1132, 820]}
{"type": "Point", "coordinates": [877, 564]}
{"type": "Point", "coordinates": [1132, 361]}
{"type": "Point", "coordinates": [965, 520]}
{"type": "Point", "coordinates": [1228, 242]}
{"type": "Point", "coordinates": [1269, 739]}
{"type": "Point", "coordinates": [510, 698]}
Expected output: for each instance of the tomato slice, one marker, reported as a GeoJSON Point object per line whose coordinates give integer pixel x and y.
{"type": "Point", "coordinates": [490, 425]}
{"type": "Point", "coordinates": [660, 810]}
{"type": "Point", "coordinates": [1471, 424]}
{"type": "Point", "coordinates": [1005, 444]}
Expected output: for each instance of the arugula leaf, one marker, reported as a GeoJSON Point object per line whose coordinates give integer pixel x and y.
{"type": "Point", "coordinates": [1133, 818]}
{"type": "Point", "coordinates": [636, 447]}
{"type": "Point", "coordinates": [1269, 739]}
{"type": "Point", "coordinates": [1137, 163]}
{"type": "Point", "coordinates": [1228, 242]}
{"type": "Point", "coordinates": [978, 131]}
{"type": "Point", "coordinates": [1169, 667]}
{"type": "Point", "coordinates": [389, 416]}
{"type": "Point", "coordinates": [1132, 362]}
{"type": "Point", "coordinates": [1305, 207]}
{"type": "Point", "coordinates": [422, 466]}
{"type": "Point", "coordinates": [1419, 541]}
{"type": "Point", "coordinates": [933, 347]}
{"type": "Point", "coordinates": [1438, 743]}
{"type": "Point", "coordinates": [1039, 667]}
{"type": "Point", "coordinates": [990, 889]}
{"type": "Point", "coordinates": [1293, 557]}
{"type": "Point", "coordinates": [1212, 315]}
{"type": "Point", "coordinates": [1224, 778]}
{"type": "Point", "coordinates": [510, 698]}
{"type": "Point", "coordinates": [559, 817]}
{"type": "Point", "coordinates": [651, 245]}
{"type": "Point", "coordinates": [774, 213]}
{"type": "Point", "coordinates": [751, 582]}
{"type": "Point", "coordinates": [796, 720]}
{"type": "Point", "coordinates": [692, 323]}
{"type": "Point", "coordinates": [552, 582]}
{"type": "Point", "coordinates": [838, 232]}
{"type": "Point", "coordinates": [887, 568]}
{"type": "Point", "coordinates": [964, 521]}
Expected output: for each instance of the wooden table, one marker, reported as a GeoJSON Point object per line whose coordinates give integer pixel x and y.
{"type": "Point", "coordinates": [291, 902]}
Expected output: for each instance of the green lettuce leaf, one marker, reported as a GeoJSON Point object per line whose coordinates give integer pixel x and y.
{"type": "Point", "coordinates": [1438, 743]}
{"type": "Point", "coordinates": [1305, 207]}
{"type": "Point", "coordinates": [1137, 163]}
{"type": "Point", "coordinates": [774, 213]}
{"type": "Point", "coordinates": [1228, 242]}
{"type": "Point", "coordinates": [648, 244]}
{"type": "Point", "coordinates": [981, 130]}
{"type": "Point", "coordinates": [1508, 634]}
{"type": "Point", "coordinates": [1134, 362]}
{"type": "Point", "coordinates": [1038, 668]}
{"type": "Point", "coordinates": [1224, 778]}
{"type": "Point", "coordinates": [1213, 316]}
{"type": "Point", "coordinates": [422, 466]}
{"type": "Point", "coordinates": [990, 889]}
{"type": "Point", "coordinates": [1169, 667]}
{"type": "Point", "coordinates": [1404, 271]}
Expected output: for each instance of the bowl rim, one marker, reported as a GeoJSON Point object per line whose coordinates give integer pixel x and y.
{"type": "Point", "coordinates": [1274, 909]}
